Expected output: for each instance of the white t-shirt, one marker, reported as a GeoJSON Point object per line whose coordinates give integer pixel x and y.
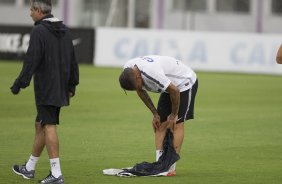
{"type": "Point", "coordinates": [158, 72]}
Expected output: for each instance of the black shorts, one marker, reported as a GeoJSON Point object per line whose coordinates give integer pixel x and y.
{"type": "Point", "coordinates": [47, 114]}
{"type": "Point", "coordinates": [186, 107]}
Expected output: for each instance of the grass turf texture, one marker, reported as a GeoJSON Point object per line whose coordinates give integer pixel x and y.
{"type": "Point", "coordinates": [235, 138]}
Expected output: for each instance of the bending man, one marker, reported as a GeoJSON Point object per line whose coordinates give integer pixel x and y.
{"type": "Point", "coordinates": [178, 86]}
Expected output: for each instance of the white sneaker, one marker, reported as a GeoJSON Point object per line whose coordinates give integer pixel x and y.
{"type": "Point", "coordinates": [172, 170]}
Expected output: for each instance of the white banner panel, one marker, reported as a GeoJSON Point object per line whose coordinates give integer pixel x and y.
{"type": "Point", "coordinates": [203, 51]}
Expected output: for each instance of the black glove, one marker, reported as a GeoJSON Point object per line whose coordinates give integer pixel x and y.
{"type": "Point", "coordinates": [15, 89]}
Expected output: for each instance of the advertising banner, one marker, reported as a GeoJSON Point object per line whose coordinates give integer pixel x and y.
{"type": "Point", "coordinates": [205, 51]}
{"type": "Point", "coordinates": [14, 42]}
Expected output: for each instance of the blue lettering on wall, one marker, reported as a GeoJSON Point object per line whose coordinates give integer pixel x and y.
{"type": "Point", "coordinates": [257, 55]}
{"type": "Point", "coordinates": [272, 55]}
{"type": "Point", "coordinates": [252, 54]}
{"type": "Point", "coordinates": [237, 53]}
{"type": "Point", "coordinates": [173, 47]}
{"type": "Point", "coordinates": [198, 52]}
{"type": "Point", "coordinates": [140, 48]}
{"type": "Point", "coordinates": [127, 48]}
{"type": "Point", "coordinates": [120, 48]}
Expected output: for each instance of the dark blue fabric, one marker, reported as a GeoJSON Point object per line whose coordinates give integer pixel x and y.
{"type": "Point", "coordinates": [168, 158]}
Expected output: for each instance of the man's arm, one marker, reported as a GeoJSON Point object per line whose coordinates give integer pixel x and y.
{"type": "Point", "coordinates": [74, 75]}
{"type": "Point", "coordinates": [279, 55]}
{"type": "Point", "coordinates": [175, 102]}
{"type": "Point", "coordinates": [175, 98]}
{"type": "Point", "coordinates": [32, 60]}
{"type": "Point", "coordinates": [142, 93]}
{"type": "Point", "coordinates": [147, 100]}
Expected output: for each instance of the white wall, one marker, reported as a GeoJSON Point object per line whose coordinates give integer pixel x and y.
{"type": "Point", "coordinates": [205, 51]}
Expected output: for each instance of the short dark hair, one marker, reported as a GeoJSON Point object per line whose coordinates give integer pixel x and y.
{"type": "Point", "coordinates": [44, 5]}
{"type": "Point", "coordinates": [127, 79]}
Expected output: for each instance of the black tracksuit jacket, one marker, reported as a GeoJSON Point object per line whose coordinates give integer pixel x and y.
{"type": "Point", "coordinates": [50, 59]}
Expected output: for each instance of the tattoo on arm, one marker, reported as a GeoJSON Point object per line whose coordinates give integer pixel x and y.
{"type": "Point", "coordinates": [175, 103]}
{"type": "Point", "coordinates": [147, 100]}
{"type": "Point", "coordinates": [174, 97]}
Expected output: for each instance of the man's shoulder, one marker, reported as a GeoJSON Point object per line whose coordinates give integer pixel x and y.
{"type": "Point", "coordinates": [38, 28]}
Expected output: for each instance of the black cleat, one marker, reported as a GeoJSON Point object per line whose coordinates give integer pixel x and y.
{"type": "Point", "coordinates": [50, 179]}
{"type": "Point", "coordinates": [21, 170]}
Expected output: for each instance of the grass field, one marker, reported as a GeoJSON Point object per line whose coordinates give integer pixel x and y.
{"type": "Point", "coordinates": [236, 136]}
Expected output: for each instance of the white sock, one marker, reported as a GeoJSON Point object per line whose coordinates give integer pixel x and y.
{"type": "Point", "coordinates": [159, 154]}
{"type": "Point", "coordinates": [55, 167]}
{"type": "Point", "coordinates": [30, 165]}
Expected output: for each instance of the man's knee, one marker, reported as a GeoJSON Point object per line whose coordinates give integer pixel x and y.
{"type": "Point", "coordinates": [179, 126]}
{"type": "Point", "coordinates": [49, 128]}
{"type": "Point", "coordinates": [163, 127]}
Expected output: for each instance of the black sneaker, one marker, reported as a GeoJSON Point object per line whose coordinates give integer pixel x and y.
{"type": "Point", "coordinates": [21, 170]}
{"type": "Point", "coordinates": [50, 179]}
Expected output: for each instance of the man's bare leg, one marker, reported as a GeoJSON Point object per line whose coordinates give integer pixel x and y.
{"type": "Point", "coordinates": [39, 140]}
{"type": "Point", "coordinates": [37, 148]}
{"type": "Point", "coordinates": [52, 145]}
{"type": "Point", "coordinates": [178, 136]}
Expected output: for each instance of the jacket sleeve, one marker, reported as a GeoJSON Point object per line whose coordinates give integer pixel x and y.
{"type": "Point", "coordinates": [31, 61]}
{"type": "Point", "coordinates": [74, 74]}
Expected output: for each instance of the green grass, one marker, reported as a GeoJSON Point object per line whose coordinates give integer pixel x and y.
{"type": "Point", "coordinates": [236, 136]}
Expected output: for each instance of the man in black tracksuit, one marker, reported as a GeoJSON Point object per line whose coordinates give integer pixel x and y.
{"type": "Point", "coordinates": [50, 60]}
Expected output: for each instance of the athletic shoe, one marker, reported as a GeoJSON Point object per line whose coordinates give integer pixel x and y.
{"type": "Point", "coordinates": [50, 179]}
{"type": "Point", "coordinates": [21, 170]}
{"type": "Point", "coordinates": [171, 173]}
{"type": "Point", "coordinates": [171, 170]}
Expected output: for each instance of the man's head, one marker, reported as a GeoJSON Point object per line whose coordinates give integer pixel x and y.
{"type": "Point", "coordinates": [127, 79]}
{"type": "Point", "coordinates": [40, 8]}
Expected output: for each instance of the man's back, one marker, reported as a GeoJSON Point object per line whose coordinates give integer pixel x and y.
{"type": "Point", "coordinates": [163, 69]}
{"type": "Point", "coordinates": [51, 54]}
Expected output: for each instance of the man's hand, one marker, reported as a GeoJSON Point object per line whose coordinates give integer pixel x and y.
{"type": "Point", "coordinates": [171, 119]}
{"type": "Point", "coordinates": [15, 89]}
{"type": "Point", "coordinates": [156, 122]}
{"type": "Point", "coordinates": [71, 94]}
